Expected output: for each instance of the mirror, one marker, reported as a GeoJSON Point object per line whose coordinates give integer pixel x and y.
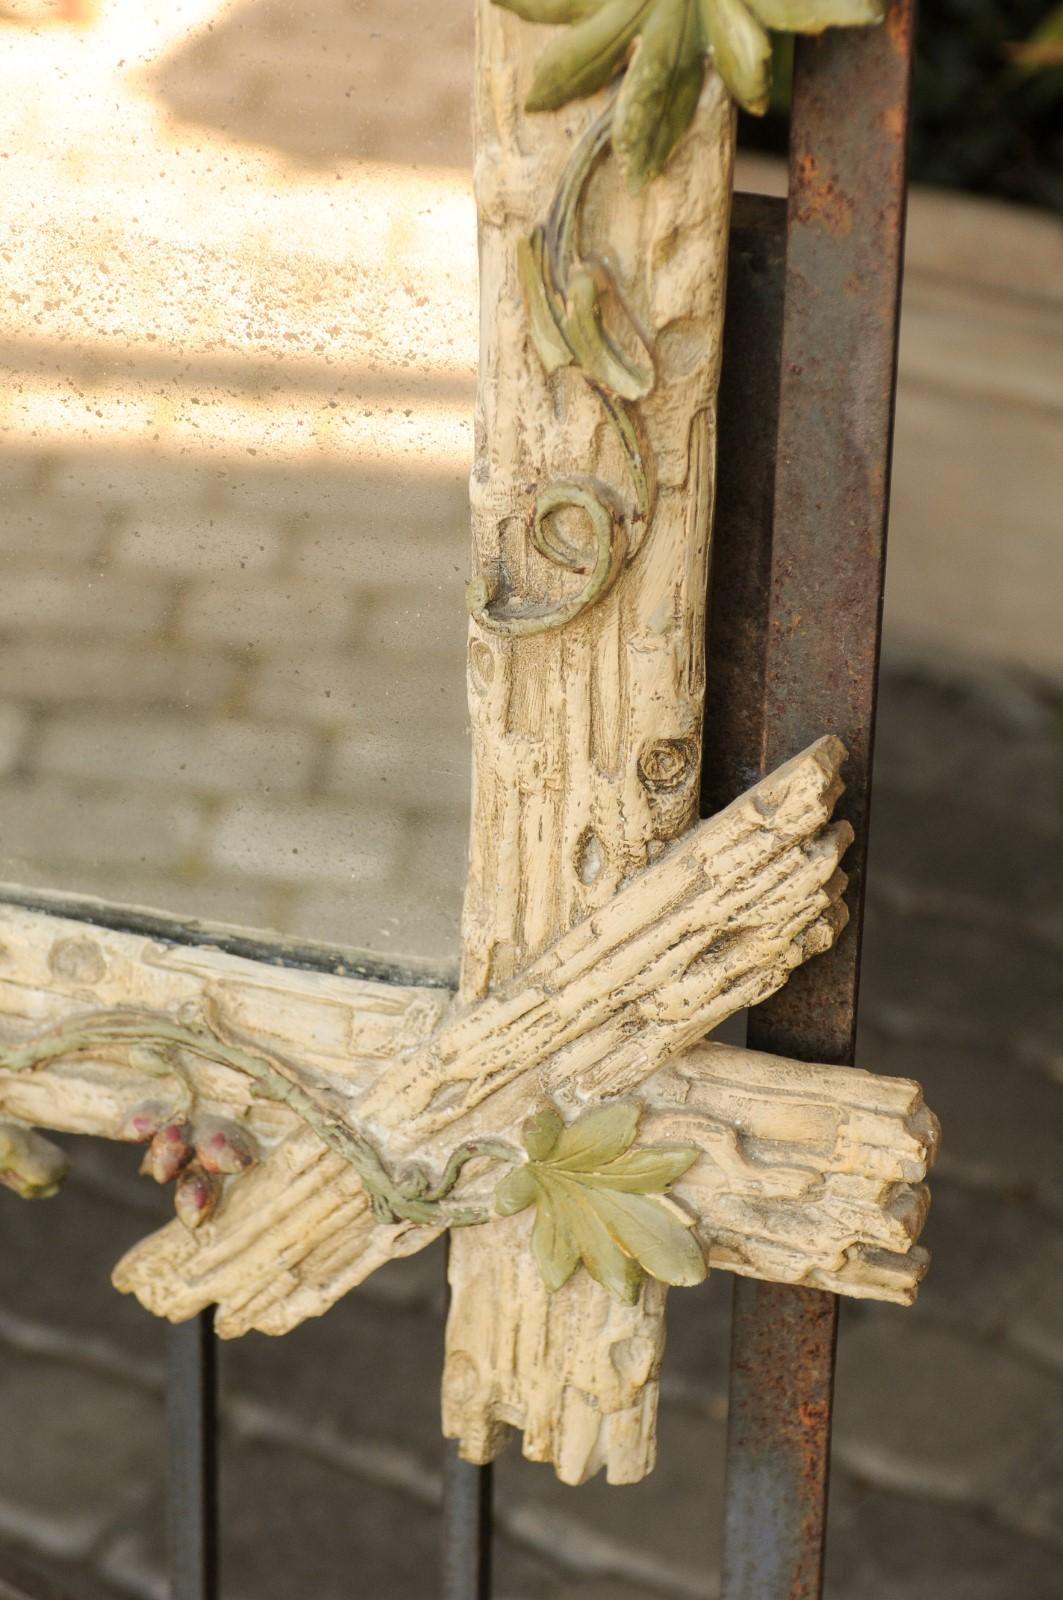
{"type": "Point", "coordinates": [239, 341]}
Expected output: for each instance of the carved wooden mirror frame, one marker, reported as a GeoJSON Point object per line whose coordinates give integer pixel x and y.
{"type": "Point", "coordinates": [562, 1113]}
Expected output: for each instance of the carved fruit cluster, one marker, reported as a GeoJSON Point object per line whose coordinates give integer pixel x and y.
{"type": "Point", "coordinates": [193, 1155]}
{"type": "Point", "coordinates": [667, 45]}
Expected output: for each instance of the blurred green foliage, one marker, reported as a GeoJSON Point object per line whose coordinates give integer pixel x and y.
{"type": "Point", "coordinates": [988, 112]}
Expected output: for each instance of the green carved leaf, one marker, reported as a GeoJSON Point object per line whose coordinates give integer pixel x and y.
{"type": "Point", "coordinates": [599, 357]}
{"type": "Point", "coordinates": [642, 1171]}
{"type": "Point", "coordinates": [515, 1191]}
{"type": "Point", "coordinates": [601, 1202]}
{"type": "Point", "coordinates": [654, 1232]}
{"type": "Point", "coordinates": [554, 1245]}
{"type": "Point", "coordinates": [547, 338]}
{"type": "Point", "coordinates": [812, 16]}
{"type": "Point", "coordinates": [582, 58]}
{"type": "Point", "coordinates": [596, 1137]}
{"type": "Point", "coordinates": [601, 1253]}
{"type": "Point", "coordinates": [551, 10]}
{"type": "Point", "coordinates": [541, 1132]}
{"type": "Point", "coordinates": [741, 52]}
{"type": "Point", "coordinates": [659, 94]}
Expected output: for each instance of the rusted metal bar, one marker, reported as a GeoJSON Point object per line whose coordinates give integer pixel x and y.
{"type": "Point", "coordinates": [192, 1508]}
{"type": "Point", "coordinates": [845, 243]}
{"type": "Point", "coordinates": [845, 232]}
{"type": "Point", "coordinates": [778, 1442]}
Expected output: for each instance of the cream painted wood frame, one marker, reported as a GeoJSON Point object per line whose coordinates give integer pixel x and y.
{"type": "Point", "coordinates": [318, 1123]}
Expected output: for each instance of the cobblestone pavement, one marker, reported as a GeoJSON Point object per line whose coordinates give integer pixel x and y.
{"type": "Point", "coordinates": [949, 1442]}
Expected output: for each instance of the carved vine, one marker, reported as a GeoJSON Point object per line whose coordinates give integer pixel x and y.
{"type": "Point", "coordinates": [597, 1199]}
{"type": "Point", "coordinates": [658, 52]}
{"type": "Point", "coordinates": [563, 298]}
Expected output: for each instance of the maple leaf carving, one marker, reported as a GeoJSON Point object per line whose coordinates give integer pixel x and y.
{"type": "Point", "coordinates": [601, 1202]}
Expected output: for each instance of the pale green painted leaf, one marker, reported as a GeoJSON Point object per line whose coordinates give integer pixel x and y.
{"type": "Point", "coordinates": [660, 90]}
{"type": "Point", "coordinates": [643, 1171]}
{"type": "Point", "coordinates": [599, 1201]}
{"type": "Point", "coordinates": [551, 10]}
{"type": "Point", "coordinates": [547, 338]}
{"type": "Point", "coordinates": [598, 356]}
{"type": "Point", "coordinates": [655, 1233]}
{"type": "Point", "coordinates": [555, 1249]}
{"type": "Point", "coordinates": [541, 1131]}
{"type": "Point", "coordinates": [812, 16]}
{"type": "Point", "coordinates": [740, 50]}
{"type": "Point", "coordinates": [596, 1137]}
{"type": "Point", "coordinates": [616, 1271]}
{"type": "Point", "coordinates": [515, 1191]}
{"type": "Point", "coordinates": [581, 59]}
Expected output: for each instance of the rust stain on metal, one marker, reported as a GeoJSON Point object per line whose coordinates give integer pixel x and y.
{"type": "Point", "coordinates": [815, 599]}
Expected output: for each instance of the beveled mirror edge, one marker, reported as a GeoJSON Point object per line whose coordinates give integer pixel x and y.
{"type": "Point", "coordinates": [253, 944]}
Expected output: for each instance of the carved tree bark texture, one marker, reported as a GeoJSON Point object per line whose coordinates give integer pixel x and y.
{"type": "Point", "coordinates": [296, 1232]}
{"type": "Point", "coordinates": [762, 876]}
{"type": "Point", "coordinates": [810, 1174]}
{"type": "Point", "coordinates": [586, 741]}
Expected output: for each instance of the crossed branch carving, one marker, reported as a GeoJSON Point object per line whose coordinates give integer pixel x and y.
{"type": "Point", "coordinates": [616, 1007]}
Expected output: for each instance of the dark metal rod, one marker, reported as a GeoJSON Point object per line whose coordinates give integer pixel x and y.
{"type": "Point", "coordinates": [192, 1500]}
{"type": "Point", "coordinates": [467, 1498]}
{"type": "Point", "coordinates": [818, 619]}
{"type": "Point", "coordinates": [778, 1441]}
{"type": "Point", "coordinates": [740, 586]}
{"type": "Point", "coordinates": [468, 1520]}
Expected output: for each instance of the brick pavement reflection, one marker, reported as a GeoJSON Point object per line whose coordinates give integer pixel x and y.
{"type": "Point", "coordinates": [236, 426]}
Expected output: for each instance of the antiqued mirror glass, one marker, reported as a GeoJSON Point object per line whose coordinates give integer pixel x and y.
{"type": "Point", "coordinates": [239, 336]}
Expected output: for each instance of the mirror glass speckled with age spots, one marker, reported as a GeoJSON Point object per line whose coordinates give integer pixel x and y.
{"type": "Point", "coordinates": [239, 349]}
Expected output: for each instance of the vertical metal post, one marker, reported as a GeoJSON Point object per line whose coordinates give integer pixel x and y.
{"type": "Point", "coordinates": [468, 1523]}
{"type": "Point", "coordinates": [466, 1564]}
{"type": "Point", "coordinates": [845, 231]}
{"type": "Point", "coordinates": [740, 586]}
{"type": "Point", "coordinates": [192, 1500]}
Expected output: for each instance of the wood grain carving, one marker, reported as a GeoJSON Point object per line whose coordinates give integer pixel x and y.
{"type": "Point", "coordinates": [719, 920]}
{"type": "Point", "coordinates": [587, 742]}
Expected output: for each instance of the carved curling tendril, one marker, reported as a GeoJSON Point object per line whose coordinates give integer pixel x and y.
{"type": "Point", "coordinates": [175, 1137]}
{"type": "Point", "coordinates": [599, 1200]}
{"type": "Point", "coordinates": [562, 296]}
{"type": "Point", "coordinates": [656, 53]}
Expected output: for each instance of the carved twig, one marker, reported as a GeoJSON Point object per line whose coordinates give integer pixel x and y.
{"type": "Point", "coordinates": [811, 1174]}
{"type": "Point", "coordinates": [156, 1046]}
{"type": "Point", "coordinates": [719, 920]}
